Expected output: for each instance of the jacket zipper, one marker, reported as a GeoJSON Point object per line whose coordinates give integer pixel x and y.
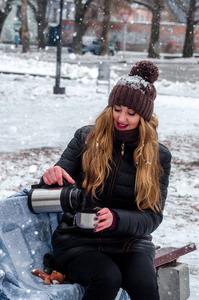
{"type": "Point", "coordinates": [114, 174]}
{"type": "Point", "coordinates": [122, 148]}
{"type": "Point", "coordinates": [110, 190]}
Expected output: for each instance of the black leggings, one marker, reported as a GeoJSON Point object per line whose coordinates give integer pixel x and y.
{"type": "Point", "coordinates": [103, 274]}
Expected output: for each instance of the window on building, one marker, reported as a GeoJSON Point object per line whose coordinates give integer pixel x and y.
{"type": "Point", "coordinates": [143, 18]}
{"type": "Point", "coordinates": [136, 17]}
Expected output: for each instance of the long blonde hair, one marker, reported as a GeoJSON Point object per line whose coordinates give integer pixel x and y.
{"type": "Point", "coordinates": [146, 157]}
{"type": "Point", "coordinates": [97, 159]}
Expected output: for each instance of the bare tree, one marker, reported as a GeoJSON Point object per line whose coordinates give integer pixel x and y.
{"type": "Point", "coordinates": [189, 8]}
{"type": "Point", "coordinates": [155, 7]}
{"type": "Point", "coordinates": [39, 10]}
{"type": "Point", "coordinates": [106, 28]}
{"type": "Point", "coordinates": [24, 28]}
{"type": "Point", "coordinates": [110, 6]}
{"type": "Point", "coordinates": [4, 13]}
{"type": "Point", "coordinates": [80, 27]}
{"type": "Point", "coordinates": [189, 36]}
{"type": "Point", "coordinates": [81, 10]}
{"type": "Point", "coordinates": [154, 50]}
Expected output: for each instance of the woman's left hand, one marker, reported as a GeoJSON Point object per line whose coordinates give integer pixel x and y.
{"type": "Point", "coordinates": [104, 219]}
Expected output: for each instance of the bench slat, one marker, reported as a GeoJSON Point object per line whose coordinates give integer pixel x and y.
{"type": "Point", "coordinates": [169, 254]}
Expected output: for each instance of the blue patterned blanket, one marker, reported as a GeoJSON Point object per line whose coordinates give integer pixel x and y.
{"type": "Point", "coordinates": [24, 239]}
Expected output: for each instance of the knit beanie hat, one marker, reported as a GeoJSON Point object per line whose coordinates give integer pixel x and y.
{"type": "Point", "coordinates": [136, 90]}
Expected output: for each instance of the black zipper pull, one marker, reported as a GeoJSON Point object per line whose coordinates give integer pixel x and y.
{"type": "Point", "coordinates": [122, 148]}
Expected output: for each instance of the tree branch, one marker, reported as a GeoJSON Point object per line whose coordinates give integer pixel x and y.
{"type": "Point", "coordinates": [8, 7]}
{"type": "Point", "coordinates": [33, 7]}
{"type": "Point", "coordinates": [86, 5]}
{"type": "Point", "coordinates": [182, 4]}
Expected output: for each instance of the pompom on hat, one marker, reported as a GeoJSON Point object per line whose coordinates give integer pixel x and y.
{"type": "Point", "coordinates": [136, 90]}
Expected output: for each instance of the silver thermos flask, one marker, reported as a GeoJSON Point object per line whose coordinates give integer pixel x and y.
{"type": "Point", "coordinates": [54, 200]}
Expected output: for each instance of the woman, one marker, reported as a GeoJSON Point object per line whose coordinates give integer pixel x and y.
{"type": "Point", "coordinates": [124, 171]}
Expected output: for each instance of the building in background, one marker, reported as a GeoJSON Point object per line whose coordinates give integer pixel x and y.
{"type": "Point", "coordinates": [172, 27]}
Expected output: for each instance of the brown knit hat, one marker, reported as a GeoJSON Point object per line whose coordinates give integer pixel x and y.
{"type": "Point", "coordinates": [136, 90]}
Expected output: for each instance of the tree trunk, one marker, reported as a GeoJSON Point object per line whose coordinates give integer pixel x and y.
{"type": "Point", "coordinates": [39, 11]}
{"type": "Point", "coordinates": [104, 49]}
{"type": "Point", "coordinates": [5, 13]}
{"type": "Point", "coordinates": [40, 32]}
{"type": "Point", "coordinates": [154, 46]}
{"type": "Point", "coordinates": [79, 32]}
{"type": "Point", "coordinates": [189, 37]}
{"type": "Point", "coordinates": [80, 27]}
{"type": "Point", "coordinates": [41, 23]}
{"type": "Point", "coordinates": [24, 29]}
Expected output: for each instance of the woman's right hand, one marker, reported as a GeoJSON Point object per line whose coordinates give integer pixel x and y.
{"type": "Point", "coordinates": [56, 175]}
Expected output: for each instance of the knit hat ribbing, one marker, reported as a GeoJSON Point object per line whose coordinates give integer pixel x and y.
{"type": "Point", "coordinates": [136, 90]}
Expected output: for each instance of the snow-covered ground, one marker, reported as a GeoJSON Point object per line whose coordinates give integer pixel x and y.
{"type": "Point", "coordinates": [36, 126]}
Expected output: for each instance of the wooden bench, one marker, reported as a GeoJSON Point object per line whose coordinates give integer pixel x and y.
{"type": "Point", "coordinates": [173, 277]}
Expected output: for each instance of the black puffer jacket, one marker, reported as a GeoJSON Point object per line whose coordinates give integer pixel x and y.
{"type": "Point", "coordinates": [133, 226]}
